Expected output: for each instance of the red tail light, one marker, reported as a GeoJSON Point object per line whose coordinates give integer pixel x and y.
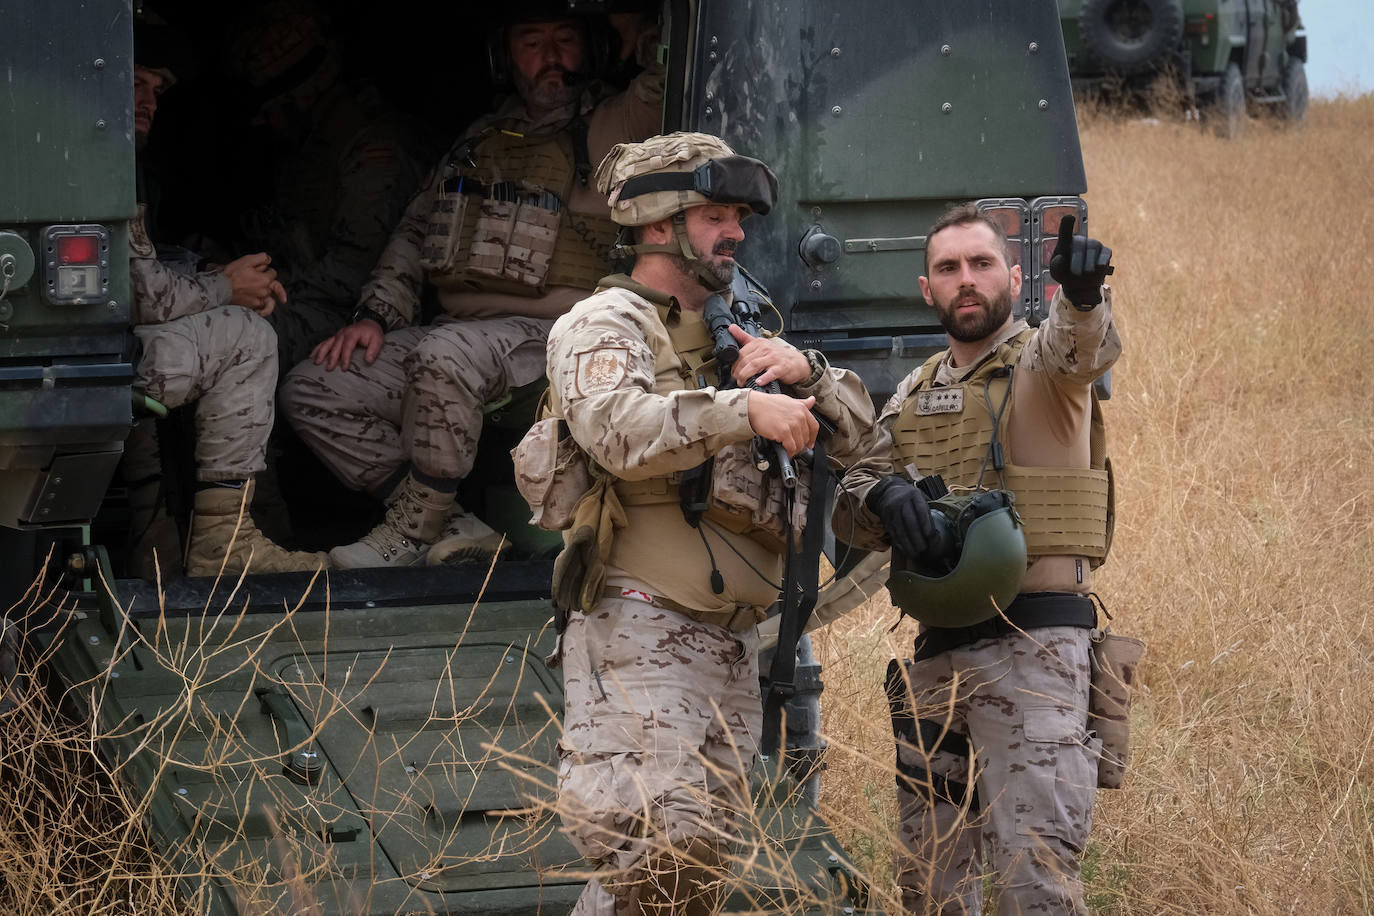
{"type": "Point", "coordinates": [78, 250]}
{"type": "Point", "coordinates": [1046, 214]}
{"type": "Point", "coordinates": [1013, 215]}
{"type": "Point", "coordinates": [76, 264]}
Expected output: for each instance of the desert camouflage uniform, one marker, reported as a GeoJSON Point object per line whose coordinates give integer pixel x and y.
{"type": "Point", "coordinates": [198, 348]}
{"type": "Point", "coordinates": [998, 754]}
{"type": "Point", "coordinates": [662, 710]}
{"type": "Point", "coordinates": [337, 197]}
{"type": "Point", "coordinates": [421, 401]}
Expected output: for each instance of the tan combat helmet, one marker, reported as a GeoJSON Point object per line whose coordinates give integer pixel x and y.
{"type": "Point", "coordinates": [661, 177]}
{"type": "Point", "coordinates": [281, 46]}
{"type": "Point", "coordinates": [160, 48]}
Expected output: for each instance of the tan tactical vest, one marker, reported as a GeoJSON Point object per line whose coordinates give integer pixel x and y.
{"type": "Point", "coordinates": [743, 499]}
{"type": "Point", "coordinates": [1066, 511]}
{"type": "Point", "coordinates": [500, 220]}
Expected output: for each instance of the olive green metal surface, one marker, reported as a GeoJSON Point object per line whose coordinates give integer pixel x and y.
{"type": "Point", "coordinates": [395, 759]}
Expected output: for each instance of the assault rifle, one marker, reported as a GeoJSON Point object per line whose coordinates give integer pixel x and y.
{"type": "Point", "coordinates": [746, 313]}
{"type": "Point", "coordinates": [801, 566]}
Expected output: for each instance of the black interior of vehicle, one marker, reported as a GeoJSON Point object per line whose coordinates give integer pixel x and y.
{"type": "Point", "coordinates": [212, 165]}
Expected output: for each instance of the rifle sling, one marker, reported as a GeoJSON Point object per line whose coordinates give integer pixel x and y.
{"type": "Point", "coordinates": [800, 586]}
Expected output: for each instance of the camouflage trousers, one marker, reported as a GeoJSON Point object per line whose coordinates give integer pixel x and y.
{"type": "Point", "coordinates": [419, 402]}
{"type": "Point", "coordinates": [225, 360]}
{"type": "Point", "coordinates": [660, 717]}
{"type": "Point", "coordinates": [1007, 715]}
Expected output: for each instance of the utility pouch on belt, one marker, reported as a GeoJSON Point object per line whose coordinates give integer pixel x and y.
{"type": "Point", "coordinates": [552, 473]}
{"type": "Point", "coordinates": [1114, 662]}
{"type": "Point", "coordinates": [443, 230]}
{"type": "Point", "coordinates": [579, 572]}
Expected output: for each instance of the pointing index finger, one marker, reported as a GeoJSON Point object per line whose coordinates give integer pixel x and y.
{"type": "Point", "coordinates": [1066, 232]}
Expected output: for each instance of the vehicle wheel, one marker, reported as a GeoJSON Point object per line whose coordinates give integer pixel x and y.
{"type": "Point", "coordinates": [1229, 109]}
{"type": "Point", "coordinates": [1130, 36]}
{"type": "Point", "coordinates": [1294, 90]}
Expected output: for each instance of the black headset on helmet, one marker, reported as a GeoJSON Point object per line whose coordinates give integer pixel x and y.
{"type": "Point", "coordinates": [601, 41]}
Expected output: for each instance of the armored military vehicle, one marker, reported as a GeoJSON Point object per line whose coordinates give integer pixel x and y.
{"type": "Point", "coordinates": [1228, 56]}
{"type": "Point", "coordinates": [379, 741]}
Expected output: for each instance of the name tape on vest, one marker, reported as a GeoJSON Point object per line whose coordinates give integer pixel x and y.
{"type": "Point", "coordinates": [940, 400]}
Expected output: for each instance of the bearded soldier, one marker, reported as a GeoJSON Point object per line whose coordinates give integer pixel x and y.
{"type": "Point", "coordinates": [1003, 433]}
{"type": "Point", "coordinates": [204, 339]}
{"type": "Point", "coordinates": [508, 232]}
{"type": "Point", "coordinates": [659, 647]}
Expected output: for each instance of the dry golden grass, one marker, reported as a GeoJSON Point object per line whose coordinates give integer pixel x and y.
{"type": "Point", "coordinates": [1243, 556]}
{"type": "Point", "coordinates": [72, 838]}
{"type": "Point", "coordinates": [1239, 427]}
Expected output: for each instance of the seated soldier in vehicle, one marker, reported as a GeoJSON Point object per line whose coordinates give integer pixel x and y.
{"type": "Point", "coordinates": [343, 166]}
{"type": "Point", "coordinates": [205, 340]}
{"type": "Point", "coordinates": [509, 233]}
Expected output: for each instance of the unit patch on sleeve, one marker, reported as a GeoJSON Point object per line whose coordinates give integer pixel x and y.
{"type": "Point", "coordinates": [602, 370]}
{"type": "Point", "coordinates": [139, 242]}
{"type": "Point", "coordinates": [939, 400]}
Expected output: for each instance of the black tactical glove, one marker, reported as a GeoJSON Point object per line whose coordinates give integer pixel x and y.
{"type": "Point", "coordinates": [905, 514]}
{"type": "Point", "coordinates": [1080, 265]}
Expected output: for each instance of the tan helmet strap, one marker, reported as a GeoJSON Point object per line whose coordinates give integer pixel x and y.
{"type": "Point", "coordinates": [683, 248]}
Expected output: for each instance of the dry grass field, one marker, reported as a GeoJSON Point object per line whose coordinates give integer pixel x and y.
{"type": "Point", "coordinates": [1239, 426]}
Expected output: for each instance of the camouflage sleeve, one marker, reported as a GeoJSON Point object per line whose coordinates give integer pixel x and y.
{"type": "Point", "coordinates": [851, 520]}
{"type": "Point", "coordinates": [376, 178]}
{"type": "Point", "coordinates": [1073, 347]}
{"type": "Point", "coordinates": [601, 365]}
{"type": "Point", "coordinates": [843, 400]}
{"type": "Point", "coordinates": [634, 114]}
{"type": "Point", "coordinates": [162, 294]}
{"type": "Point", "coordinates": [393, 289]}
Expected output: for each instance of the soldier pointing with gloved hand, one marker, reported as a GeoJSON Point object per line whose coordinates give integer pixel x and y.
{"type": "Point", "coordinates": [988, 479]}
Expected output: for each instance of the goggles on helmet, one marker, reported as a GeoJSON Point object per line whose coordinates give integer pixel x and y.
{"type": "Point", "coordinates": [728, 180]}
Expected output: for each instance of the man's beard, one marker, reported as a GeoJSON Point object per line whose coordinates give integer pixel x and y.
{"type": "Point", "coordinates": [724, 272]}
{"type": "Point", "coordinates": [976, 327]}
{"type": "Point", "coordinates": [550, 96]}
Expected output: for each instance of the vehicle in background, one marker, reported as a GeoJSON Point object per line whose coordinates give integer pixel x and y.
{"type": "Point", "coordinates": [1228, 57]}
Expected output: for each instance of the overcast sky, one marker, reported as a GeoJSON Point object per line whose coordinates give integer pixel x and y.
{"type": "Point", "coordinates": [1340, 46]}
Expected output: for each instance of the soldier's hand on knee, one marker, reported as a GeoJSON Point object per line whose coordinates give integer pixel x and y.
{"type": "Point", "coordinates": [785, 420]}
{"type": "Point", "coordinates": [338, 350]}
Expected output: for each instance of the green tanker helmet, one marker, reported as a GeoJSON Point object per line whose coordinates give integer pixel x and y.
{"type": "Point", "coordinates": [979, 571]}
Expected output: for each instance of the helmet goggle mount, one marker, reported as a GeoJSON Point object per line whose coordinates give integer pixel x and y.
{"type": "Point", "coordinates": [731, 180]}
{"type": "Point", "coordinates": [727, 180]}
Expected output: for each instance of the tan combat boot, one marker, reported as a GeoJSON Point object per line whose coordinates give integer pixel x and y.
{"type": "Point", "coordinates": [413, 522]}
{"type": "Point", "coordinates": [155, 542]}
{"type": "Point", "coordinates": [466, 539]}
{"type": "Point", "coordinates": [223, 536]}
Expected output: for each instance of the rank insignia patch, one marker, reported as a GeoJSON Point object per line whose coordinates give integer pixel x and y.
{"type": "Point", "coordinates": [940, 400]}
